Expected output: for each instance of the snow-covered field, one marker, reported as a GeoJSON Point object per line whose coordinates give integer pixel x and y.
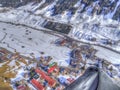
{"type": "Point", "coordinates": [27, 41]}
{"type": "Point", "coordinates": [108, 55]}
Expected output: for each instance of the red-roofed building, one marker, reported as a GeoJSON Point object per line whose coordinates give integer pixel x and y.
{"type": "Point", "coordinates": [71, 80]}
{"type": "Point", "coordinates": [37, 84]}
{"type": "Point", "coordinates": [50, 80]}
{"type": "Point", "coordinates": [51, 69]}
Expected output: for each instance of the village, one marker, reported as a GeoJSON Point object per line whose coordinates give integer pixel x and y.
{"type": "Point", "coordinates": [44, 74]}
{"type": "Point", "coordinates": [50, 44]}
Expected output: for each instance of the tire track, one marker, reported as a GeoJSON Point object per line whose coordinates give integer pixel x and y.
{"type": "Point", "coordinates": [3, 37]}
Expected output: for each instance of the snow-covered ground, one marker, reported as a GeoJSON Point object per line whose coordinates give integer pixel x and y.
{"type": "Point", "coordinates": [27, 40]}
{"type": "Point", "coordinates": [84, 27]}
{"type": "Point", "coordinates": [108, 55]}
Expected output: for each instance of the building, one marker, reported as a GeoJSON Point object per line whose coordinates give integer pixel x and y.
{"type": "Point", "coordinates": [51, 81]}
{"type": "Point", "coordinates": [37, 85]}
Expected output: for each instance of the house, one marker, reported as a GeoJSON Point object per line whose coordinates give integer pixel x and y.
{"type": "Point", "coordinates": [37, 84]}
{"type": "Point", "coordinates": [21, 87]}
{"type": "Point", "coordinates": [71, 80]}
{"type": "Point", "coordinates": [51, 69]}
{"type": "Point", "coordinates": [50, 80]}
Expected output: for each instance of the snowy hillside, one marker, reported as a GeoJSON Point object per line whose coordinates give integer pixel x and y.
{"type": "Point", "coordinates": [106, 8]}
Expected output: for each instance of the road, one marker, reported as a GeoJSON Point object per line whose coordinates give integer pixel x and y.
{"type": "Point", "coordinates": [60, 35]}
